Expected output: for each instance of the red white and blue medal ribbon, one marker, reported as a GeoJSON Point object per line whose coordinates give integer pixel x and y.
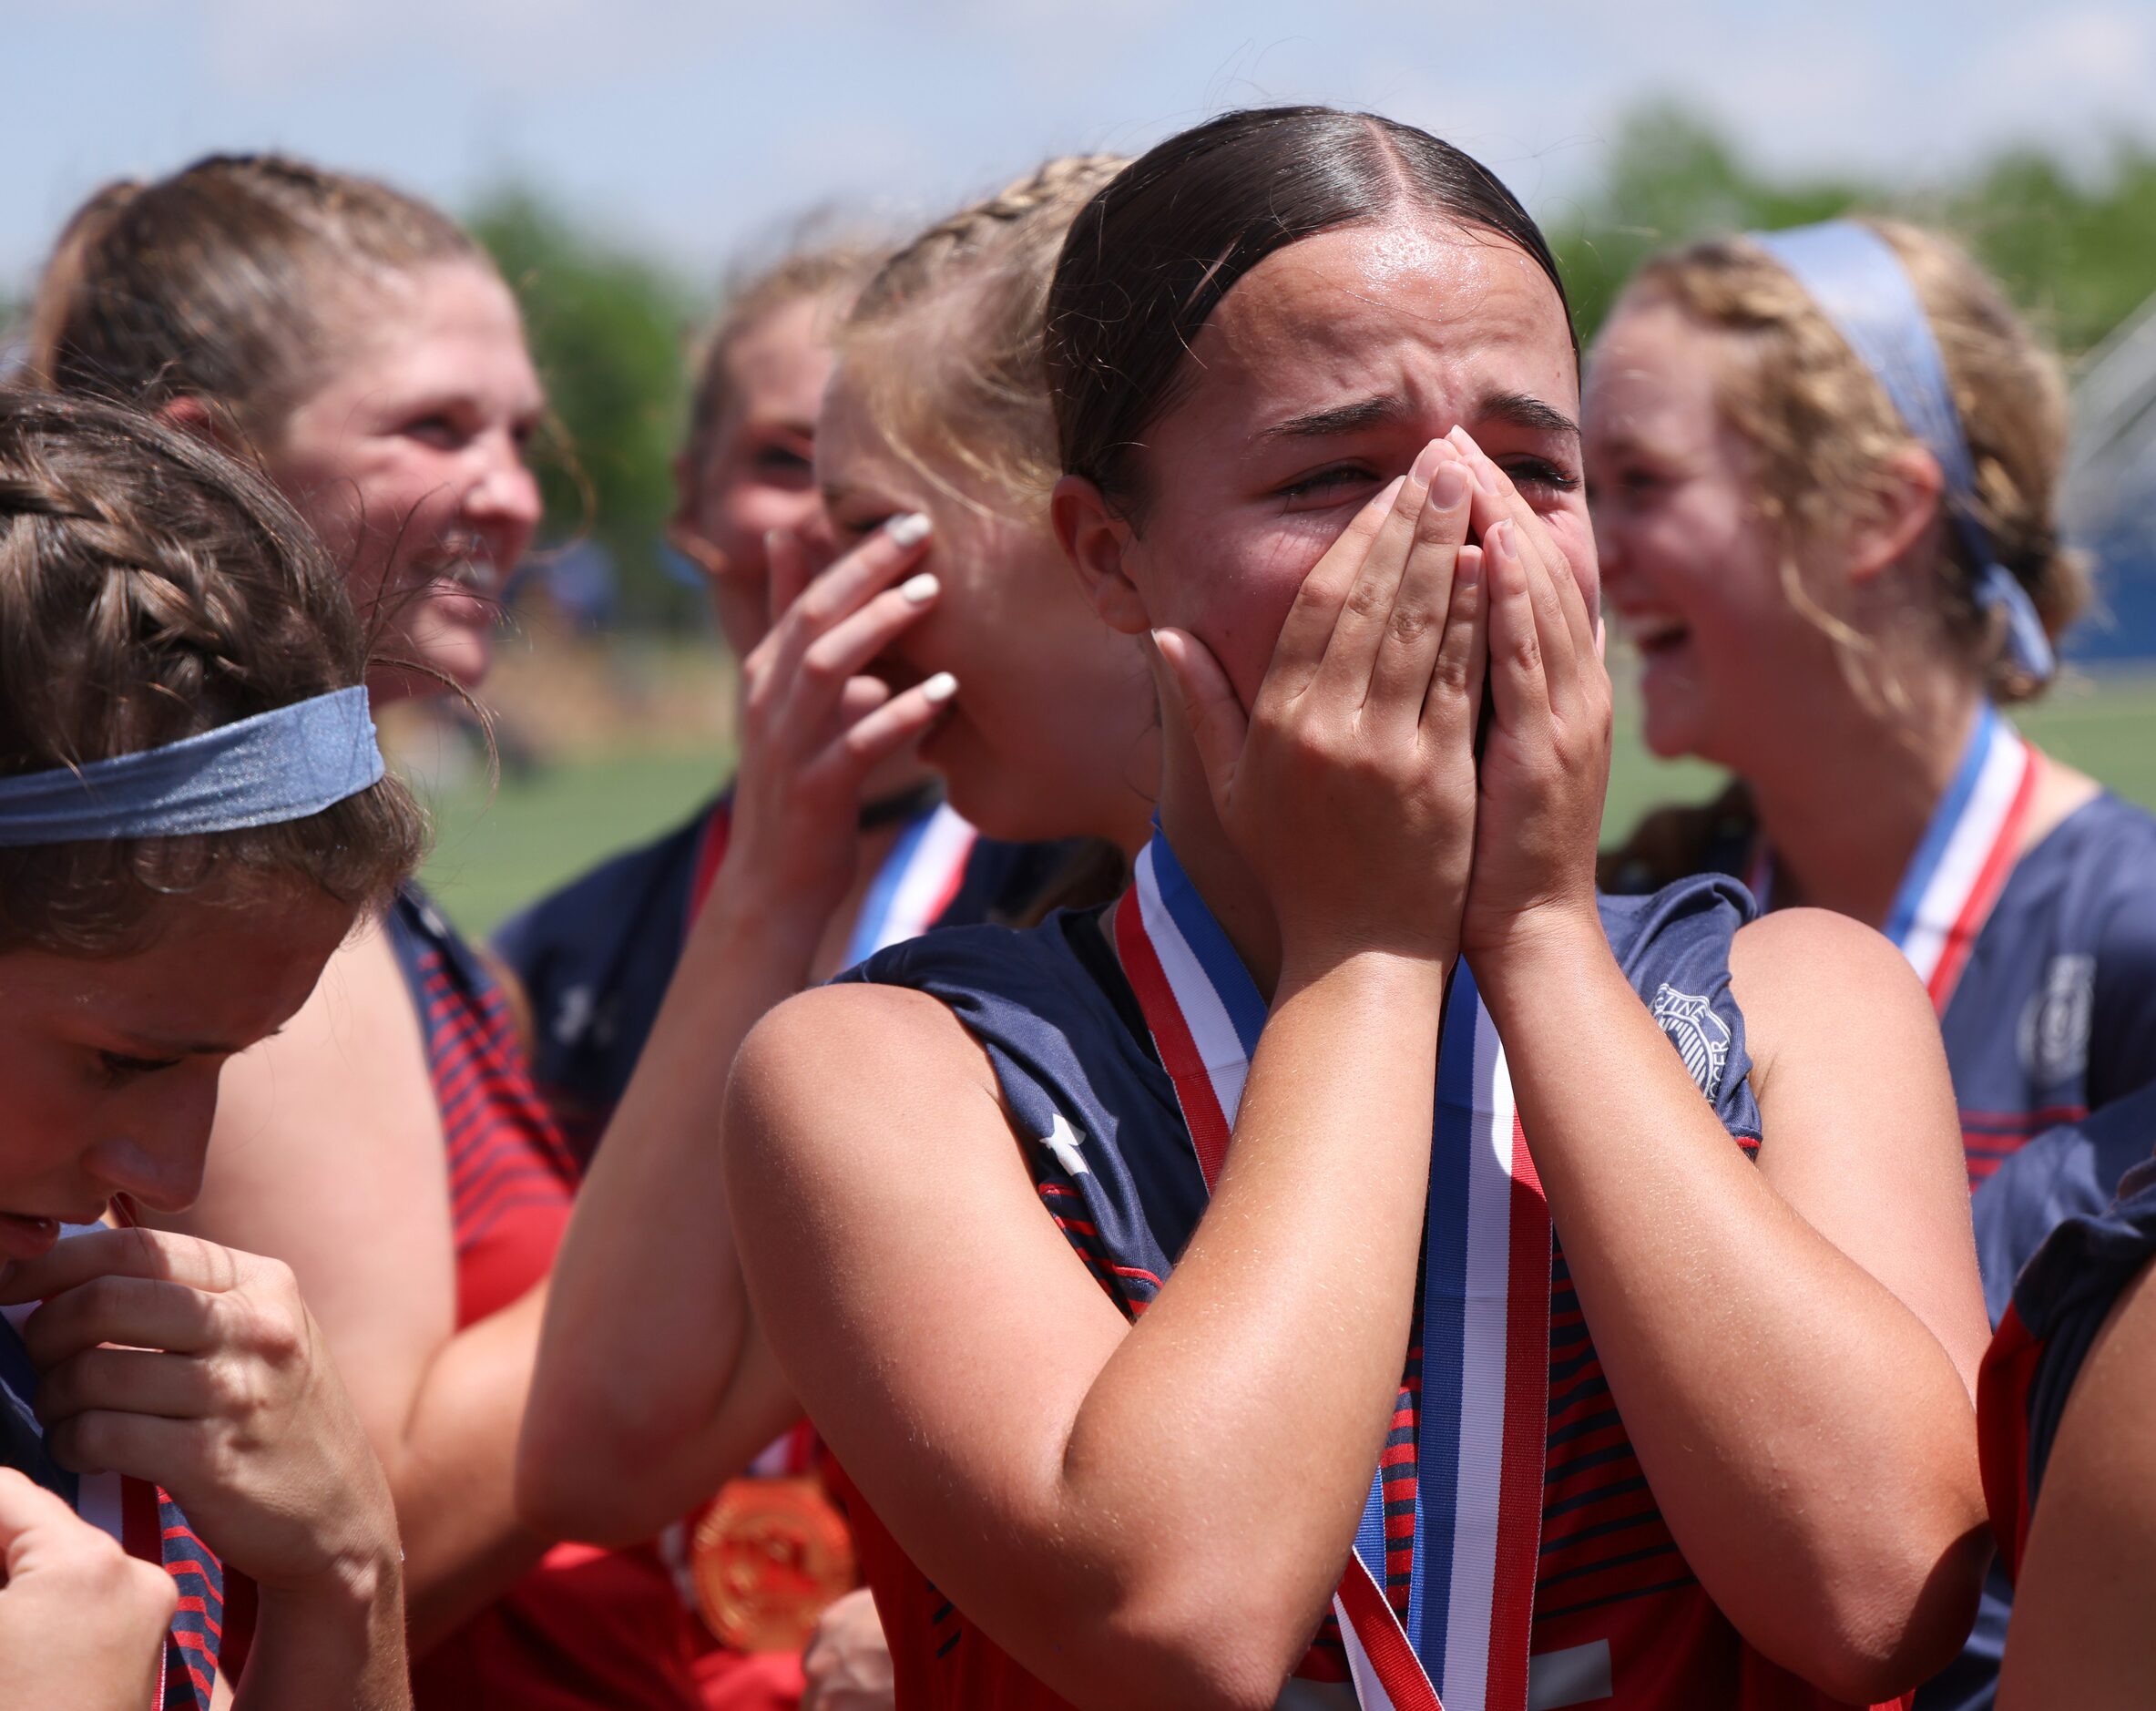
{"type": "Point", "coordinates": [1964, 861]}
{"type": "Point", "coordinates": [918, 879]}
{"type": "Point", "coordinates": [915, 883]}
{"type": "Point", "coordinates": [1475, 1526]}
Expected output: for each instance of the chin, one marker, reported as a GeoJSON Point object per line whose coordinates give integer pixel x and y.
{"type": "Point", "coordinates": [459, 649]}
{"type": "Point", "coordinates": [1670, 733]}
{"type": "Point", "coordinates": [467, 666]}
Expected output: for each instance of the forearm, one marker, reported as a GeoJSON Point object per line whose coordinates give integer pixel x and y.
{"type": "Point", "coordinates": [1807, 1438]}
{"type": "Point", "coordinates": [647, 1316]}
{"type": "Point", "coordinates": [1222, 1481]}
{"type": "Point", "coordinates": [452, 1473]}
{"type": "Point", "coordinates": [339, 1646]}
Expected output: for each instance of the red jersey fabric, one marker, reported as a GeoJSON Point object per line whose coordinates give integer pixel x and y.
{"type": "Point", "coordinates": [586, 1626]}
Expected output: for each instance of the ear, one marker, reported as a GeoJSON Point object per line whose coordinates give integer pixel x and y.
{"type": "Point", "coordinates": [189, 415]}
{"type": "Point", "coordinates": [1906, 504]}
{"type": "Point", "coordinates": [1096, 540]}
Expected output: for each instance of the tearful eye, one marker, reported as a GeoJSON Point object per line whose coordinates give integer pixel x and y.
{"type": "Point", "coordinates": [1539, 472]}
{"type": "Point", "coordinates": [1327, 483]}
{"type": "Point", "coordinates": [117, 1068]}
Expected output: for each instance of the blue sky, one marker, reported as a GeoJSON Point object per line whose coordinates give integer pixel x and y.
{"type": "Point", "coordinates": [690, 127]}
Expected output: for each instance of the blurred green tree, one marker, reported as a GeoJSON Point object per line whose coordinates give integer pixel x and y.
{"type": "Point", "coordinates": [2076, 250]}
{"type": "Point", "coordinates": [606, 331]}
{"type": "Point", "coordinates": [1672, 177]}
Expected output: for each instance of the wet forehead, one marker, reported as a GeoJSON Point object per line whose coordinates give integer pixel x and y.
{"type": "Point", "coordinates": [1436, 313]}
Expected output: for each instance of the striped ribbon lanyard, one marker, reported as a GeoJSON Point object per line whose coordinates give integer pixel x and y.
{"type": "Point", "coordinates": [915, 883]}
{"type": "Point", "coordinates": [1472, 1529]}
{"type": "Point", "coordinates": [1962, 864]}
{"type": "Point", "coordinates": [914, 886]}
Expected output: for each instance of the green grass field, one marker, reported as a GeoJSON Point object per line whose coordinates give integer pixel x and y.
{"type": "Point", "coordinates": [496, 851]}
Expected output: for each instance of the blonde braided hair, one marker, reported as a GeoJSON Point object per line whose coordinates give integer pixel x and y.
{"type": "Point", "coordinates": [947, 338]}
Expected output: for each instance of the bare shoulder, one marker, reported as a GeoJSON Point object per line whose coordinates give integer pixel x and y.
{"type": "Point", "coordinates": [855, 1065]}
{"type": "Point", "coordinates": [859, 1033]}
{"type": "Point", "coordinates": [1805, 947]}
{"type": "Point", "coordinates": [1810, 979]}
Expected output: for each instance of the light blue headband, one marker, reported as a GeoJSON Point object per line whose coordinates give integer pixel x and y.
{"type": "Point", "coordinates": [1859, 284]}
{"type": "Point", "coordinates": [283, 764]}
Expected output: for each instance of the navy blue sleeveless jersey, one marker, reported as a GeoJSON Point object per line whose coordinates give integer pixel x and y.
{"type": "Point", "coordinates": [595, 958]}
{"type": "Point", "coordinates": [1068, 1040]}
{"type": "Point", "coordinates": [2055, 1015]}
{"type": "Point", "coordinates": [2064, 1178]}
{"type": "Point", "coordinates": [2059, 1303]}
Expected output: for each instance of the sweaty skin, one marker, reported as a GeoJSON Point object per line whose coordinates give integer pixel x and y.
{"type": "Point", "coordinates": [1326, 372]}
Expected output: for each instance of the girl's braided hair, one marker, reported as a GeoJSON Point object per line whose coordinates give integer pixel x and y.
{"type": "Point", "coordinates": [948, 338]}
{"type": "Point", "coordinates": [152, 589]}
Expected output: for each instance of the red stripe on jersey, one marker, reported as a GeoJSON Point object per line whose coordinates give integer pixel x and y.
{"type": "Point", "coordinates": [2002, 1432]}
{"type": "Point", "coordinates": [954, 881]}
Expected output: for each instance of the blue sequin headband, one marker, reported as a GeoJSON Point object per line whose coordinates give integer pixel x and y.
{"type": "Point", "coordinates": [281, 765]}
{"type": "Point", "coordinates": [1858, 283]}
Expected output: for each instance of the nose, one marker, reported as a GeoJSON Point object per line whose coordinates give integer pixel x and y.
{"type": "Point", "coordinates": [817, 536]}
{"type": "Point", "coordinates": [506, 491]}
{"type": "Point", "coordinates": [159, 1159]}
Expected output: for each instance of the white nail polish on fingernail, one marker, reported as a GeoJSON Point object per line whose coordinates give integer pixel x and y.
{"type": "Point", "coordinates": [920, 590]}
{"type": "Point", "coordinates": [908, 529]}
{"type": "Point", "coordinates": [941, 687]}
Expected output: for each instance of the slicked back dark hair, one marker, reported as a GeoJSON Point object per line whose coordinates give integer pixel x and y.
{"type": "Point", "coordinates": [1151, 256]}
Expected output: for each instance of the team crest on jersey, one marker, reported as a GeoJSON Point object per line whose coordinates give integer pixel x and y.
{"type": "Point", "coordinates": [2055, 1023]}
{"type": "Point", "coordinates": [1702, 1037]}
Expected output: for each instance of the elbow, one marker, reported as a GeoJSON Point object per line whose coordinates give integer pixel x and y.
{"type": "Point", "coordinates": [1893, 1621]}
{"type": "Point", "coordinates": [1209, 1638]}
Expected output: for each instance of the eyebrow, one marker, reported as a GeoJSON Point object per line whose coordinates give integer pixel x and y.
{"type": "Point", "coordinates": [1518, 409]}
{"type": "Point", "coordinates": [1524, 411]}
{"type": "Point", "coordinates": [1342, 418]}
